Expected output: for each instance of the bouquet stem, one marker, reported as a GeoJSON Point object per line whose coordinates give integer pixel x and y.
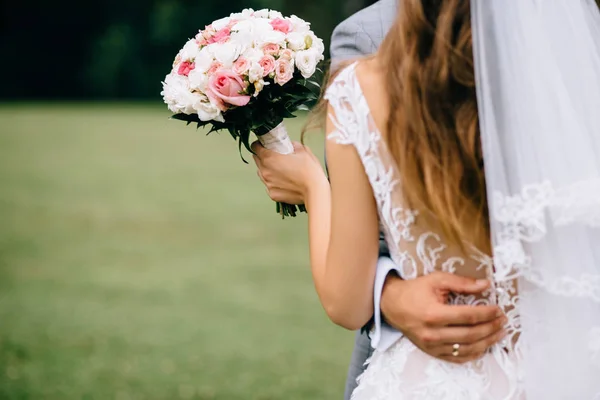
{"type": "Point", "coordinates": [278, 140]}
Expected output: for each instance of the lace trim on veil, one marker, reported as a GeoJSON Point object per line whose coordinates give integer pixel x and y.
{"type": "Point", "coordinates": [523, 219]}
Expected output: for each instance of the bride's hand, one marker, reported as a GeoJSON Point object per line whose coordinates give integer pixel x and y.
{"type": "Point", "coordinates": [288, 178]}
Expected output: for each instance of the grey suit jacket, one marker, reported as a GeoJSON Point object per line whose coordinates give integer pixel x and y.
{"type": "Point", "coordinates": [360, 35]}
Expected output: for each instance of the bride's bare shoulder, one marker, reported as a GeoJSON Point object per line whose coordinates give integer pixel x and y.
{"type": "Point", "coordinates": [369, 70]}
{"type": "Point", "coordinates": [371, 78]}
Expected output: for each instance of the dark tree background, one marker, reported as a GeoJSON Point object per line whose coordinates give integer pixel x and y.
{"type": "Point", "coordinates": [118, 49]}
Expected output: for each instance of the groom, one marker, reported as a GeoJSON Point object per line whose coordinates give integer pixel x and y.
{"type": "Point", "coordinates": [410, 308]}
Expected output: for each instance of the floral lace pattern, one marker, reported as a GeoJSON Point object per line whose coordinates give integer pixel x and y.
{"type": "Point", "coordinates": [404, 371]}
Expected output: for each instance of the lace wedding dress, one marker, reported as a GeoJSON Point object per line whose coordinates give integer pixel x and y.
{"type": "Point", "coordinates": [404, 372]}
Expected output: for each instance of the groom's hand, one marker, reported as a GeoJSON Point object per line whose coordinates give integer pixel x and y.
{"type": "Point", "coordinates": [418, 309]}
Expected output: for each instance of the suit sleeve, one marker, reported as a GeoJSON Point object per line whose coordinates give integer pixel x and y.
{"type": "Point", "coordinates": [350, 40]}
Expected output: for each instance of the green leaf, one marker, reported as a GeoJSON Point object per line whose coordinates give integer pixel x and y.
{"type": "Point", "coordinates": [186, 117]}
{"type": "Point", "coordinates": [233, 132]}
{"type": "Point", "coordinates": [245, 140]}
{"type": "Point", "coordinates": [240, 150]}
{"type": "Point", "coordinates": [214, 128]}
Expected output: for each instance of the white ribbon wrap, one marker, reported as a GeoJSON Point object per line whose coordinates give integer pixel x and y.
{"type": "Point", "coordinates": [277, 140]}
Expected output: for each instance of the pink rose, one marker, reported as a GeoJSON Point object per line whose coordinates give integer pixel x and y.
{"type": "Point", "coordinates": [287, 54]}
{"type": "Point", "coordinates": [226, 87]}
{"type": "Point", "coordinates": [216, 100]}
{"type": "Point", "coordinates": [284, 71]}
{"type": "Point", "coordinates": [185, 68]}
{"type": "Point", "coordinates": [214, 68]}
{"type": "Point", "coordinates": [221, 36]}
{"type": "Point", "coordinates": [268, 64]}
{"type": "Point", "coordinates": [271, 49]}
{"type": "Point", "coordinates": [281, 25]}
{"type": "Point", "coordinates": [241, 66]}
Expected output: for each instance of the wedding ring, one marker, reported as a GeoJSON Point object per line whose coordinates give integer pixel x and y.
{"type": "Point", "coordinates": [455, 350]}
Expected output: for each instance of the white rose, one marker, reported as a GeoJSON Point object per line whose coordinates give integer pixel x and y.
{"type": "Point", "coordinates": [221, 23]}
{"type": "Point", "coordinates": [270, 36]}
{"type": "Point", "coordinates": [198, 80]}
{"type": "Point", "coordinates": [306, 62]}
{"type": "Point", "coordinates": [250, 30]}
{"type": "Point", "coordinates": [242, 40]}
{"type": "Point", "coordinates": [247, 13]}
{"type": "Point", "coordinates": [317, 46]}
{"type": "Point", "coordinates": [296, 41]}
{"type": "Point", "coordinates": [264, 13]}
{"type": "Point", "coordinates": [225, 53]}
{"type": "Point", "coordinates": [260, 26]}
{"type": "Point", "coordinates": [242, 26]}
{"type": "Point", "coordinates": [191, 101]}
{"type": "Point", "coordinates": [299, 25]}
{"type": "Point", "coordinates": [275, 14]}
{"type": "Point", "coordinates": [255, 73]}
{"type": "Point", "coordinates": [208, 112]}
{"type": "Point", "coordinates": [190, 50]}
{"type": "Point", "coordinates": [203, 60]}
{"type": "Point", "coordinates": [236, 16]}
{"type": "Point", "coordinates": [253, 55]}
{"type": "Point", "coordinates": [176, 94]}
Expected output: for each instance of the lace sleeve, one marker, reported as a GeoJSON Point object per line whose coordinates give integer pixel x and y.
{"type": "Point", "coordinates": [353, 125]}
{"type": "Point", "coordinates": [342, 96]}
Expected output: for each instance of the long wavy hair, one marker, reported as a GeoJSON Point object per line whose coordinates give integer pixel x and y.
{"type": "Point", "coordinates": [432, 127]}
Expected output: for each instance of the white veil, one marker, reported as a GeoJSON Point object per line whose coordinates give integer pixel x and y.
{"type": "Point", "coordinates": [537, 64]}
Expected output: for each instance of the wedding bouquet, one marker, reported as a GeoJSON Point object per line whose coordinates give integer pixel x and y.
{"type": "Point", "coordinates": [246, 73]}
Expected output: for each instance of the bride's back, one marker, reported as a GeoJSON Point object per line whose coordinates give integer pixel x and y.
{"type": "Point", "coordinates": [416, 239]}
{"type": "Point", "coordinates": [420, 94]}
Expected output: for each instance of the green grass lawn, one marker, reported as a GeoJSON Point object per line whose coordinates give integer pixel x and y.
{"type": "Point", "coordinates": [140, 259]}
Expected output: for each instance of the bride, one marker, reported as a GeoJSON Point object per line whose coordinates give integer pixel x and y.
{"type": "Point", "coordinates": [458, 85]}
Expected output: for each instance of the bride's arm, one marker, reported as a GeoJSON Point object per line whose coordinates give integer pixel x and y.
{"type": "Point", "coordinates": [344, 237]}
{"type": "Point", "coordinates": [343, 225]}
